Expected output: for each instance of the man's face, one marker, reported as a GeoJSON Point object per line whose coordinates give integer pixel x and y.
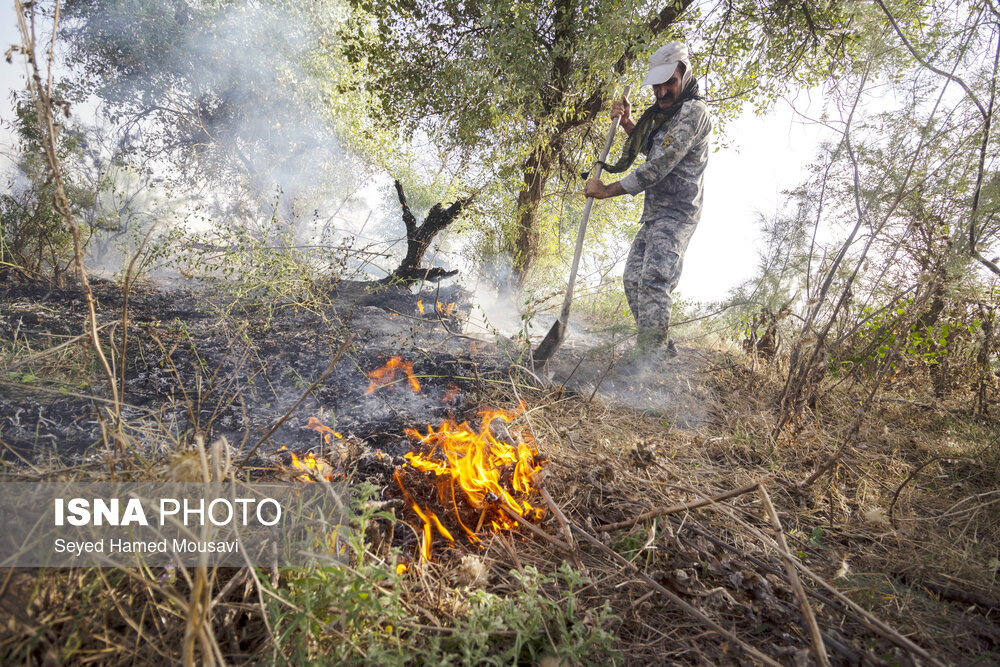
{"type": "Point", "coordinates": [668, 92]}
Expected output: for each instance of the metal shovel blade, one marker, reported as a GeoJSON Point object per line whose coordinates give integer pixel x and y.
{"type": "Point", "coordinates": [553, 339]}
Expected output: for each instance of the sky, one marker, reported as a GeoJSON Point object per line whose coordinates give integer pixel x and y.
{"type": "Point", "coordinates": [765, 155]}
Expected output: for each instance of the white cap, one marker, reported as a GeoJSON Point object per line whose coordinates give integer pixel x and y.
{"type": "Point", "coordinates": [664, 61]}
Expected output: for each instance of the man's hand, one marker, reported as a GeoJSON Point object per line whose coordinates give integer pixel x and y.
{"type": "Point", "coordinates": [598, 190]}
{"type": "Point", "coordinates": [623, 109]}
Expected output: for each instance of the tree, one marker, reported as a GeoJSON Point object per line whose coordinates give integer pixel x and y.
{"type": "Point", "coordinates": [33, 238]}
{"type": "Point", "coordinates": [513, 87]}
{"type": "Point", "coordinates": [226, 92]}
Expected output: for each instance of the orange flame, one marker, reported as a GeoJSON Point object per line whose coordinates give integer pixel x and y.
{"type": "Point", "coordinates": [489, 472]}
{"type": "Point", "coordinates": [443, 309]}
{"type": "Point", "coordinates": [312, 468]}
{"type": "Point", "coordinates": [319, 426]}
{"type": "Point", "coordinates": [420, 306]}
{"type": "Point", "coordinates": [386, 375]}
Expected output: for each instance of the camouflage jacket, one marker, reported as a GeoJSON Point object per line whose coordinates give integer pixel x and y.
{"type": "Point", "coordinates": [674, 172]}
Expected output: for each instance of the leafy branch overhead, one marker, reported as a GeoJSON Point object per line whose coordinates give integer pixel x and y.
{"type": "Point", "coordinates": [515, 87]}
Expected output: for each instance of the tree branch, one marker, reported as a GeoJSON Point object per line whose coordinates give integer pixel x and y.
{"type": "Point", "coordinates": [927, 65]}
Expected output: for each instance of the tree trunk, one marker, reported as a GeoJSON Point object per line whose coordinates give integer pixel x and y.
{"type": "Point", "coordinates": [524, 241]}
{"type": "Point", "coordinates": [419, 237]}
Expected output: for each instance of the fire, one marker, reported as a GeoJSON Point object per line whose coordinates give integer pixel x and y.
{"type": "Point", "coordinates": [312, 468]}
{"type": "Point", "coordinates": [493, 475]}
{"type": "Point", "coordinates": [439, 307]}
{"type": "Point", "coordinates": [317, 425]}
{"type": "Point", "coordinates": [386, 375]}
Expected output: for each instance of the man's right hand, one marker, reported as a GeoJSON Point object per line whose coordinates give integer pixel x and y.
{"type": "Point", "coordinates": [623, 109]}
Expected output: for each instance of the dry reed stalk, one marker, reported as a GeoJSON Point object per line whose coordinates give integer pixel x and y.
{"type": "Point", "coordinates": [42, 96]}
{"type": "Point", "coordinates": [817, 637]}
{"type": "Point", "coordinates": [535, 530]}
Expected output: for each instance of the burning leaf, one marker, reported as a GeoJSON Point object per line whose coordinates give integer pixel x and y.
{"type": "Point", "coordinates": [317, 425]}
{"type": "Point", "coordinates": [386, 375]}
{"type": "Point", "coordinates": [312, 467]}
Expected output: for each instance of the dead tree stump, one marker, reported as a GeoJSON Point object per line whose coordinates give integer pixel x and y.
{"type": "Point", "coordinates": [419, 237]}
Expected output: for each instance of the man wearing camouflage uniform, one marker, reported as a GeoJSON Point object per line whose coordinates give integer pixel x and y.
{"type": "Point", "coordinates": [673, 134]}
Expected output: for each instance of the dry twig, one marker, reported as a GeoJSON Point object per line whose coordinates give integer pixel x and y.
{"type": "Point", "coordinates": [674, 509]}
{"type": "Point", "coordinates": [793, 579]}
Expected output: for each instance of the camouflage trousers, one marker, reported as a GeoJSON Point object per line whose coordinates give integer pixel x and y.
{"type": "Point", "coordinates": [653, 269]}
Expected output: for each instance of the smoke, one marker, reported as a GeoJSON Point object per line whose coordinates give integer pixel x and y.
{"type": "Point", "coordinates": [675, 390]}
{"type": "Point", "coordinates": [495, 310]}
{"type": "Point", "coordinates": [229, 119]}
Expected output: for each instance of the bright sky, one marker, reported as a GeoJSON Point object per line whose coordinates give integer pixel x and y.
{"type": "Point", "coordinates": [767, 155]}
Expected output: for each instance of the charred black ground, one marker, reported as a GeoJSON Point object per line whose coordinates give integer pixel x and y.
{"type": "Point", "coordinates": [194, 366]}
{"type": "Point", "coordinates": [906, 527]}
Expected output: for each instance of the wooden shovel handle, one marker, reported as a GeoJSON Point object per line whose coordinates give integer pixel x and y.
{"type": "Point", "coordinates": [582, 232]}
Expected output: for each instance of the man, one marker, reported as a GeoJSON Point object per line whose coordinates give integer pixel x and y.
{"type": "Point", "coordinates": [673, 134]}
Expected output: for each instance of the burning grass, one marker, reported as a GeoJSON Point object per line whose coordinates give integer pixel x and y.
{"type": "Point", "coordinates": [493, 476]}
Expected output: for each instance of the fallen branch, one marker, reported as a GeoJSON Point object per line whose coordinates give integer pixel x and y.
{"type": "Point", "coordinates": [793, 579]}
{"type": "Point", "coordinates": [674, 509]}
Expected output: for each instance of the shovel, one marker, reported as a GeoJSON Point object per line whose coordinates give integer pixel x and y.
{"type": "Point", "coordinates": [557, 334]}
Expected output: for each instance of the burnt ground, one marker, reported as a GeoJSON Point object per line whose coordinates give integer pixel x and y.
{"type": "Point", "coordinates": [197, 363]}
